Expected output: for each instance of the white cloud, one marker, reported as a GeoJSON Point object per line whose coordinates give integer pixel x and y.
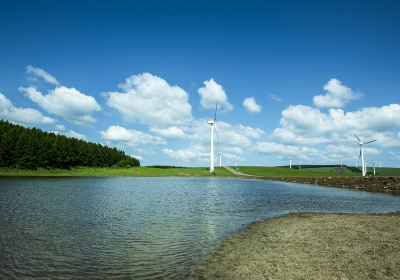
{"type": "Point", "coordinates": [345, 152]}
{"type": "Point", "coordinates": [299, 152]}
{"type": "Point", "coordinates": [60, 127]}
{"type": "Point", "coordinates": [305, 125]}
{"type": "Point", "coordinates": [201, 154]}
{"type": "Point", "coordinates": [249, 131]}
{"type": "Point", "coordinates": [230, 135]}
{"type": "Point", "coordinates": [192, 153]}
{"type": "Point", "coordinates": [74, 134]}
{"type": "Point", "coordinates": [233, 140]}
{"type": "Point", "coordinates": [251, 105]}
{"type": "Point", "coordinates": [274, 98]}
{"type": "Point", "coordinates": [69, 103]}
{"type": "Point", "coordinates": [289, 136]}
{"type": "Point", "coordinates": [131, 138]}
{"type": "Point", "coordinates": [212, 93]}
{"type": "Point", "coordinates": [40, 73]}
{"type": "Point", "coordinates": [70, 134]}
{"type": "Point", "coordinates": [151, 100]}
{"type": "Point", "coordinates": [24, 116]}
{"type": "Point", "coordinates": [336, 95]}
{"type": "Point", "coordinates": [139, 157]}
{"type": "Point", "coordinates": [172, 132]}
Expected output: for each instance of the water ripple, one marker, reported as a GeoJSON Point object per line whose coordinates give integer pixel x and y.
{"type": "Point", "coordinates": [143, 228]}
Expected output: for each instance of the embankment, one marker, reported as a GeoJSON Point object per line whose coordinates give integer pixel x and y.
{"type": "Point", "coordinates": [390, 185]}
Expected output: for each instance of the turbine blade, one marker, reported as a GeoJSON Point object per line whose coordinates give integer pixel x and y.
{"type": "Point", "coordinates": [370, 141]}
{"type": "Point", "coordinates": [358, 138]}
{"type": "Point", "coordinates": [359, 155]}
{"type": "Point", "coordinates": [215, 113]}
{"type": "Point", "coordinates": [216, 131]}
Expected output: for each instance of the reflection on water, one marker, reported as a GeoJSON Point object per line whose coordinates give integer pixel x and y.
{"type": "Point", "coordinates": [146, 228]}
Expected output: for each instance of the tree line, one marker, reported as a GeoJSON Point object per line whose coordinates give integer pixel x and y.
{"type": "Point", "coordinates": [31, 148]}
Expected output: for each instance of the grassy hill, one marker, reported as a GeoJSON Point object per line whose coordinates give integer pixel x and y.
{"type": "Point", "coordinates": [161, 171]}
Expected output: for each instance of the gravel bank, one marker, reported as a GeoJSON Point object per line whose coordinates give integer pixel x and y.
{"type": "Point", "coordinates": [311, 246]}
{"type": "Point", "coordinates": [390, 185]}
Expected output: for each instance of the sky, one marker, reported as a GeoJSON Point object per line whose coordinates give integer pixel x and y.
{"type": "Point", "coordinates": [292, 79]}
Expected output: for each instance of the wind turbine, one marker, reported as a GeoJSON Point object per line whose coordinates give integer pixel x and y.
{"type": "Point", "coordinates": [213, 125]}
{"type": "Point", "coordinates": [220, 159]}
{"type": "Point", "coordinates": [361, 143]}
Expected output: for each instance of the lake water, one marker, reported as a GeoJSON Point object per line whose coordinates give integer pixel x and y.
{"type": "Point", "coordinates": [144, 228]}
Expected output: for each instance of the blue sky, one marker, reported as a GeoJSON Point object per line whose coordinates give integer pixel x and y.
{"type": "Point", "coordinates": [143, 75]}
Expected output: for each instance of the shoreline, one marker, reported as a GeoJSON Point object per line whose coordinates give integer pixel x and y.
{"type": "Point", "coordinates": [378, 184]}
{"type": "Point", "coordinates": [310, 246]}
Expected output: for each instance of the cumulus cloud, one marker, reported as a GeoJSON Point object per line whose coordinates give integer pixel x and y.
{"type": "Point", "coordinates": [230, 135]}
{"type": "Point", "coordinates": [234, 138]}
{"type": "Point", "coordinates": [251, 105]}
{"type": "Point", "coordinates": [131, 138]}
{"type": "Point", "coordinates": [300, 152]}
{"type": "Point", "coordinates": [69, 103]}
{"type": "Point", "coordinates": [336, 95]}
{"type": "Point", "coordinates": [24, 116]}
{"type": "Point", "coordinates": [305, 125]}
{"type": "Point", "coordinates": [139, 157]}
{"type": "Point", "coordinates": [212, 93]}
{"type": "Point", "coordinates": [345, 152]}
{"type": "Point", "coordinates": [60, 127]}
{"type": "Point", "coordinates": [192, 153]}
{"type": "Point", "coordinates": [70, 133]}
{"type": "Point", "coordinates": [172, 132]}
{"type": "Point", "coordinates": [150, 100]}
{"type": "Point", "coordinates": [36, 73]}
{"type": "Point", "coordinates": [74, 134]}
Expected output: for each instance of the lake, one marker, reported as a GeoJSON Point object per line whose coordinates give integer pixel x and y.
{"type": "Point", "coordinates": [144, 228]}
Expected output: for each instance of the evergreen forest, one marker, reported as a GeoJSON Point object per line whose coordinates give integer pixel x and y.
{"type": "Point", "coordinates": [31, 148]}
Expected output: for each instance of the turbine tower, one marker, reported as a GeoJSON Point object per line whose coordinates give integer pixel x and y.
{"type": "Point", "coordinates": [213, 125]}
{"type": "Point", "coordinates": [220, 159]}
{"type": "Point", "coordinates": [290, 162]}
{"type": "Point", "coordinates": [361, 143]}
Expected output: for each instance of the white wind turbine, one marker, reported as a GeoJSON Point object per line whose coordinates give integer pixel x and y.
{"type": "Point", "coordinates": [290, 162]}
{"type": "Point", "coordinates": [213, 125]}
{"type": "Point", "coordinates": [361, 143]}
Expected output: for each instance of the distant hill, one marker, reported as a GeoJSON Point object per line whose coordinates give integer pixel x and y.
{"type": "Point", "coordinates": [32, 148]}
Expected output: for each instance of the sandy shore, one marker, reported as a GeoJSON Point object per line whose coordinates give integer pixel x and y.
{"type": "Point", "coordinates": [311, 246]}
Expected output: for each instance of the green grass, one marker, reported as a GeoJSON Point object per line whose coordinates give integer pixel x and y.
{"type": "Point", "coordinates": [164, 171]}
{"type": "Point", "coordinates": [310, 171]}
{"type": "Point", "coordinates": [386, 171]}
{"type": "Point", "coordinates": [134, 171]}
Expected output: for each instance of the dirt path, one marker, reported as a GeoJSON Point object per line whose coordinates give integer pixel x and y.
{"type": "Point", "coordinates": [311, 246]}
{"type": "Point", "coordinates": [238, 173]}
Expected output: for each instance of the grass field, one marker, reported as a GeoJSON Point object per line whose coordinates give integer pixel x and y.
{"type": "Point", "coordinates": [134, 171]}
{"type": "Point", "coordinates": [313, 171]}
{"type": "Point", "coordinates": [161, 171]}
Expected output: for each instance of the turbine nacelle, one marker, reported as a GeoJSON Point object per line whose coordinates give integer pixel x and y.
{"type": "Point", "coordinates": [211, 122]}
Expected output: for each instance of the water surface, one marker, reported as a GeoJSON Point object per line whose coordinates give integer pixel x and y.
{"type": "Point", "coordinates": [144, 228]}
